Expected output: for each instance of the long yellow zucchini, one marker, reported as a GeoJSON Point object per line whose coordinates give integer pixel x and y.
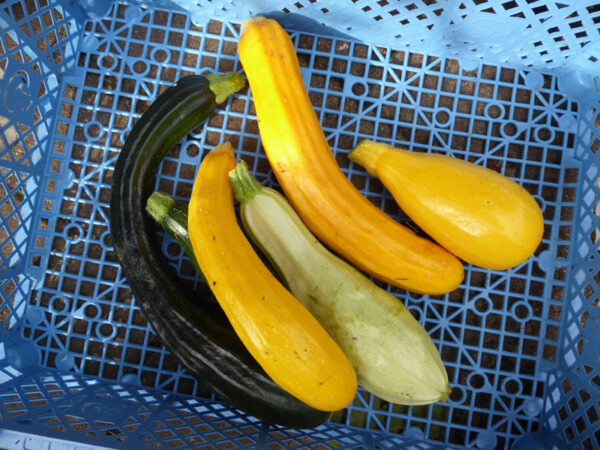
{"type": "Point", "coordinates": [281, 334]}
{"type": "Point", "coordinates": [479, 215]}
{"type": "Point", "coordinates": [326, 200]}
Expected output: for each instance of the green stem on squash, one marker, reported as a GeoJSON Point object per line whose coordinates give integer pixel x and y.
{"type": "Point", "coordinates": [244, 186]}
{"type": "Point", "coordinates": [172, 216]}
{"type": "Point", "coordinates": [225, 84]}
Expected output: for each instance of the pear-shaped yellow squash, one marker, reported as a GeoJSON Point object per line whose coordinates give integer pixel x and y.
{"type": "Point", "coordinates": [481, 216]}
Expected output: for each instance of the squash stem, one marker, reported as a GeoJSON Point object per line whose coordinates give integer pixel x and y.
{"type": "Point", "coordinates": [225, 84]}
{"type": "Point", "coordinates": [158, 205]}
{"type": "Point", "coordinates": [244, 186]}
{"type": "Point", "coordinates": [366, 153]}
{"type": "Point", "coordinates": [172, 216]}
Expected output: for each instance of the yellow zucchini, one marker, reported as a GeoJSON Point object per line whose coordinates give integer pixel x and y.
{"type": "Point", "coordinates": [328, 203]}
{"type": "Point", "coordinates": [481, 216]}
{"type": "Point", "coordinates": [279, 332]}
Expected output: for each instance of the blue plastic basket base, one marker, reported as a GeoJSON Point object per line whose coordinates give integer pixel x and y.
{"type": "Point", "coordinates": [518, 345]}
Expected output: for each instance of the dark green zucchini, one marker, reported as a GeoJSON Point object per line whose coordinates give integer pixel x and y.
{"type": "Point", "coordinates": [193, 329]}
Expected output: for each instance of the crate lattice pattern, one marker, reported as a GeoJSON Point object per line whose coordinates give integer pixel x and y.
{"type": "Point", "coordinates": [121, 416]}
{"type": "Point", "coordinates": [501, 335]}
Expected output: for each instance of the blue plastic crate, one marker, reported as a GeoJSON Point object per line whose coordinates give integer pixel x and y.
{"type": "Point", "coordinates": [511, 85]}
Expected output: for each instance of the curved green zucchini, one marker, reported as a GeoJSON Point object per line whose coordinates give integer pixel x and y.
{"type": "Point", "coordinates": [193, 329]}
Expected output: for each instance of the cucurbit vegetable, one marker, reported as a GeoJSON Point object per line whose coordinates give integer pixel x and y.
{"type": "Point", "coordinates": [282, 335]}
{"type": "Point", "coordinates": [392, 354]}
{"type": "Point", "coordinates": [329, 204]}
{"type": "Point", "coordinates": [478, 214]}
{"type": "Point", "coordinates": [196, 332]}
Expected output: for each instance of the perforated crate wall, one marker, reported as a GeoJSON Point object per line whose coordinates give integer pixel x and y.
{"type": "Point", "coordinates": [36, 47]}
{"type": "Point", "coordinates": [541, 34]}
{"type": "Point", "coordinates": [520, 346]}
